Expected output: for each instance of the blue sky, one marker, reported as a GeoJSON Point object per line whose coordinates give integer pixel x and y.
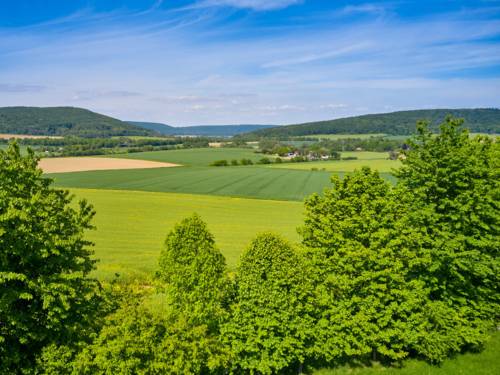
{"type": "Point", "coordinates": [186, 62]}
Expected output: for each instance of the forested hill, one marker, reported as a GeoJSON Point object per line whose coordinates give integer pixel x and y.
{"type": "Point", "coordinates": [64, 121]}
{"type": "Point", "coordinates": [484, 120]}
{"type": "Point", "coordinates": [201, 130]}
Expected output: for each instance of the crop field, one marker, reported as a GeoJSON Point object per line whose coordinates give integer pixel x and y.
{"type": "Point", "coordinates": [252, 182]}
{"type": "Point", "coordinates": [195, 156]}
{"type": "Point", "coordinates": [131, 226]}
{"type": "Point", "coordinates": [74, 164]}
{"type": "Point", "coordinates": [345, 136]}
{"type": "Point", "coordinates": [374, 160]}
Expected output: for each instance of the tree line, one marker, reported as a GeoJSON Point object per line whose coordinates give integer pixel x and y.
{"type": "Point", "coordinates": [383, 272]}
{"type": "Point", "coordinates": [77, 146]}
{"type": "Point", "coordinates": [479, 120]}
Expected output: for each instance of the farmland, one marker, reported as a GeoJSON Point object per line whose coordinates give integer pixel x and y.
{"type": "Point", "coordinates": [131, 226]}
{"type": "Point", "coordinates": [375, 160]}
{"type": "Point", "coordinates": [196, 156]}
{"type": "Point", "coordinates": [250, 182]}
{"type": "Point", "coordinates": [345, 136]}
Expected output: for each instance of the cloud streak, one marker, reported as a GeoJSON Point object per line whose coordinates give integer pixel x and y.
{"type": "Point", "coordinates": [212, 64]}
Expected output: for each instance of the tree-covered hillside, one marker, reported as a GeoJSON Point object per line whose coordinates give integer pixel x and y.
{"type": "Point", "coordinates": [483, 120]}
{"type": "Point", "coordinates": [64, 121]}
{"type": "Point", "coordinates": [201, 130]}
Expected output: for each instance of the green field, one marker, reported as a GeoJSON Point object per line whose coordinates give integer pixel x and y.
{"type": "Point", "coordinates": [345, 136]}
{"type": "Point", "coordinates": [375, 160]}
{"type": "Point", "coordinates": [287, 181]}
{"type": "Point", "coordinates": [195, 156]}
{"type": "Point", "coordinates": [486, 362]}
{"type": "Point", "coordinates": [131, 226]}
{"type": "Point", "coordinates": [252, 182]}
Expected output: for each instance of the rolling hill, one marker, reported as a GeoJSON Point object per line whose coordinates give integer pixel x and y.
{"type": "Point", "coordinates": [483, 120]}
{"type": "Point", "coordinates": [201, 130]}
{"type": "Point", "coordinates": [64, 121]}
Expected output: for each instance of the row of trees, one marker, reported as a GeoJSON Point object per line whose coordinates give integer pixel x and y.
{"type": "Point", "coordinates": [79, 146]}
{"type": "Point", "coordinates": [316, 148]}
{"type": "Point", "coordinates": [382, 272]}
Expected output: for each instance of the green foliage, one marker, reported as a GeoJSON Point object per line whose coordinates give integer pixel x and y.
{"type": "Point", "coordinates": [411, 269]}
{"type": "Point", "coordinates": [46, 295]}
{"type": "Point", "coordinates": [197, 285]}
{"type": "Point", "coordinates": [453, 225]}
{"type": "Point", "coordinates": [264, 161]}
{"type": "Point", "coordinates": [137, 340]}
{"type": "Point", "coordinates": [270, 324]}
{"type": "Point", "coordinates": [64, 121]}
{"type": "Point", "coordinates": [219, 163]}
{"type": "Point", "coordinates": [482, 120]}
{"type": "Point", "coordinates": [365, 306]}
{"type": "Point", "coordinates": [194, 270]}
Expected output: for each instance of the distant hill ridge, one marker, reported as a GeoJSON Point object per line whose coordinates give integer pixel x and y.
{"type": "Point", "coordinates": [201, 130]}
{"type": "Point", "coordinates": [64, 121]}
{"type": "Point", "coordinates": [480, 120]}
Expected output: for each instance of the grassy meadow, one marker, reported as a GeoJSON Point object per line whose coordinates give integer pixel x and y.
{"type": "Point", "coordinates": [287, 181]}
{"type": "Point", "coordinates": [375, 160]}
{"type": "Point", "coordinates": [131, 226]}
{"type": "Point", "coordinates": [345, 136]}
{"type": "Point", "coordinates": [250, 182]}
{"type": "Point", "coordinates": [195, 156]}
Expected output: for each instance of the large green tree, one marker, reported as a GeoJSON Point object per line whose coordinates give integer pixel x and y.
{"type": "Point", "coordinates": [365, 306]}
{"type": "Point", "coordinates": [270, 325]}
{"type": "Point", "coordinates": [46, 296]}
{"type": "Point", "coordinates": [453, 227]}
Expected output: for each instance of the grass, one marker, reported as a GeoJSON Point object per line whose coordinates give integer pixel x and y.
{"type": "Point", "coordinates": [252, 182]}
{"type": "Point", "coordinates": [195, 156]}
{"type": "Point", "coordinates": [486, 362]}
{"type": "Point", "coordinates": [345, 136]}
{"type": "Point", "coordinates": [131, 226]}
{"type": "Point", "coordinates": [375, 160]}
{"type": "Point", "coordinates": [287, 181]}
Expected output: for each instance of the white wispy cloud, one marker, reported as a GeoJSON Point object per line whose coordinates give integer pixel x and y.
{"type": "Point", "coordinates": [186, 67]}
{"type": "Point", "coordinates": [250, 4]}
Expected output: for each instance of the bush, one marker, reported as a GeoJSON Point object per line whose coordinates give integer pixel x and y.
{"type": "Point", "coordinates": [264, 161]}
{"type": "Point", "coordinates": [234, 162]}
{"type": "Point", "coordinates": [270, 326]}
{"type": "Point", "coordinates": [219, 163]}
{"type": "Point", "coordinates": [246, 162]}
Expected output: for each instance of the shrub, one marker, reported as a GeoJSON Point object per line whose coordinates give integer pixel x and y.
{"type": "Point", "coordinates": [269, 329]}
{"type": "Point", "coordinates": [219, 163]}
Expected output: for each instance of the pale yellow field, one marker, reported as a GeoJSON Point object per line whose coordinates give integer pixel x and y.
{"type": "Point", "coordinates": [375, 160]}
{"type": "Point", "coordinates": [78, 164]}
{"type": "Point", "coordinates": [25, 136]}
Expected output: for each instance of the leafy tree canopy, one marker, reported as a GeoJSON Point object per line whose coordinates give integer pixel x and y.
{"type": "Point", "coordinates": [46, 295]}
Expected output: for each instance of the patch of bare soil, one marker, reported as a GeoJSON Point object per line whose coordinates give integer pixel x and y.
{"type": "Point", "coordinates": [78, 164]}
